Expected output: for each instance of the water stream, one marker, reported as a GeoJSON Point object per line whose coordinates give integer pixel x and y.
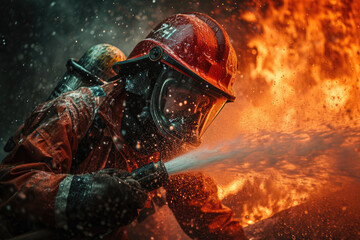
{"type": "Point", "coordinates": [202, 157]}
{"type": "Point", "coordinates": [331, 151]}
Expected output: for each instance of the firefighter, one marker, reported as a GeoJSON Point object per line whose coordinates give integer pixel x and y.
{"type": "Point", "coordinates": [70, 167]}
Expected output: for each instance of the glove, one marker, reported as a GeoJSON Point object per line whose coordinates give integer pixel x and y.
{"type": "Point", "coordinates": [109, 198]}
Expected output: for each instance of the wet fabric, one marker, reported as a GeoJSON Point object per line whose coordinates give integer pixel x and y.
{"type": "Point", "coordinates": [42, 163]}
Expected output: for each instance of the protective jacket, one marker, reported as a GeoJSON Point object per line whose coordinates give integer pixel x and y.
{"type": "Point", "coordinates": [37, 176]}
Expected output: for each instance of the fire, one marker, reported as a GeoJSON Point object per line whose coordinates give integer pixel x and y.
{"type": "Point", "coordinates": [306, 54]}
{"type": "Point", "coordinates": [284, 170]}
{"type": "Point", "coordinates": [298, 82]}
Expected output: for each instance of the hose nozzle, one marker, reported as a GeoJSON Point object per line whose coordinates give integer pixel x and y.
{"type": "Point", "coordinates": [151, 176]}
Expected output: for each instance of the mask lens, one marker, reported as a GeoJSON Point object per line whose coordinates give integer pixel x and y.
{"type": "Point", "coordinates": [180, 104]}
{"type": "Point", "coordinates": [185, 108]}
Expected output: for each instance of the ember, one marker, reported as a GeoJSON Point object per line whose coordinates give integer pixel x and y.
{"type": "Point", "coordinates": [299, 96]}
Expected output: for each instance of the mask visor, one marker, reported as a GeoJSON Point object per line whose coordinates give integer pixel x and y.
{"type": "Point", "coordinates": [184, 107]}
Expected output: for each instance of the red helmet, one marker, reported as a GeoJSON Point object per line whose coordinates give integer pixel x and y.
{"type": "Point", "coordinates": [199, 66]}
{"type": "Point", "coordinates": [200, 44]}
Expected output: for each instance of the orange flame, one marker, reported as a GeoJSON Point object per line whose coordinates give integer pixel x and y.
{"type": "Point", "coordinates": [307, 66]}
{"type": "Point", "coordinates": [299, 72]}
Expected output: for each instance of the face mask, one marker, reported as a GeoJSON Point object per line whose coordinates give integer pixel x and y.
{"type": "Point", "coordinates": [183, 107]}
{"type": "Point", "coordinates": [138, 127]}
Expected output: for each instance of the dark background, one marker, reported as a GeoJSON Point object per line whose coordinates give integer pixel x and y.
{"type": "Point", "coordinates": [37, 37]}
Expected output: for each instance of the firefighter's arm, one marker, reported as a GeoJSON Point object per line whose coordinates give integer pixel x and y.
{"type": "Point", "coordinates": [34, 180]}
{"type": "Point", "coordinates": [194, 201]}
{"type": "Point", "coordinates": [31, 174]}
